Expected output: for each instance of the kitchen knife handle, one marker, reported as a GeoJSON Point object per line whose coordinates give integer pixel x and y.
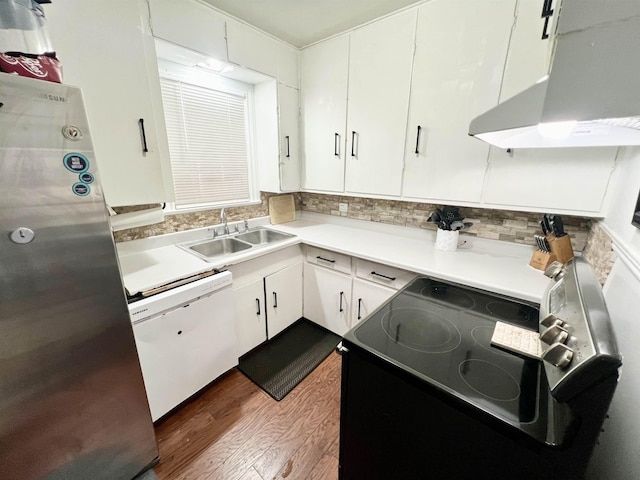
{"type": "Point", "coordinates": [288, 149]}
{"type": "Point", "coordinates": [359, 308]}
{"type": "Point", "coordinates": [336, 145]}
{"type": "Point", "coordinates": [341, 295]}
{"type": "Point", "coordinates": [417, 152]}
{"type": "Point", "coordinates": [258, 305]}
{"type": "Point", "coordinates": [353, 143]}
{"type": "Point", "coordinates": [275, 300]}
{"type": "Point", "coordinates": [145, 149]}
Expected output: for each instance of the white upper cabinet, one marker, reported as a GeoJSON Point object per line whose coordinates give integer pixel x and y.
{"type": "Point", "coordinates": [324, 82]}
{"type": "Point", "coordinates": [255, 50]}
{"type": "Point", "coordinates": [572, 180]}
{"type": "Point", "coordinates": [288, 112]}
{"type": "Point", "coordinates": [190, 24]}
{"type": "Point", "coordinates": [380, 62]}
{"type": "Point", "coordinates": [107, 50]}
{"type": "Point", "coordinates": [461, 48]}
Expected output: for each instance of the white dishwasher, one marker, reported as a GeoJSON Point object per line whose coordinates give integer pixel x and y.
{"type": "Point", "coordinates": [186, 337]}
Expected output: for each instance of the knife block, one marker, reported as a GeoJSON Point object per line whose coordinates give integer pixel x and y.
{"type": "Point", "coordinates": [561, 247]}
{"type": "Point", "coordinates": [541, 260]}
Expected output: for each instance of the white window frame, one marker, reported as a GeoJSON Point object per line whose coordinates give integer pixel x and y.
{"type": "Point", "coordinates": [203, 78]}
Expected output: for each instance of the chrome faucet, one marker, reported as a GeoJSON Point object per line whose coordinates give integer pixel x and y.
{"type": "Point", "coordinates": [246, 226]}
{"type": "Point", "coordinates": [223, 219]}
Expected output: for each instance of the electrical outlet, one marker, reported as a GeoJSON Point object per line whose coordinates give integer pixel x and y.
{"type": "Point", "coordinates": [343, 207]}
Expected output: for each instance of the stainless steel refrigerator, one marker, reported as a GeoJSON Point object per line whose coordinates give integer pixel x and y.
{"type": "Point", "coordinates": [72, 398]}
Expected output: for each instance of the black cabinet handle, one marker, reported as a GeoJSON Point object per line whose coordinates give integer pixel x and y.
{"type": "Point", "coordinates": [144, 136]}
{"type": "Point", "coordinates": [353, 143]}
{"type": "Point", "coordinates": [336, 143]}
{"type": "Point", "coordinates": [288, 151]}
{"type": "Point", "coordinates": [341, 295]}
{"type": "Point", "coordinates": [325, 259]}
{"type": "Point", "coordinates": [275, 300]}
{"type": "Point", "coordinates": [359, 305]}
{"type": "Point", "coordinates": [547, 13]}
{"type": "Point", "coordinates": [258, 305]}
{"type": "Point", "coordinates": [386, 277]}
{"type": "Point", "coordinates": [418, 140]}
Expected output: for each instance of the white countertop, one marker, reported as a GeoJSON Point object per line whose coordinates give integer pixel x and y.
{"type": "Point", "coordinates": [500, 267]}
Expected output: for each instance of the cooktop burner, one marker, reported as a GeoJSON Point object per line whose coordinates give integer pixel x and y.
{"type": "Point", "coordinates": [448, 294]}
{"type": "Point", "coordinates": [512, 312]}
{"type": "Point", "coordinates": [421, 330]}
{"type": "Point", "coordinates": [442, 333]}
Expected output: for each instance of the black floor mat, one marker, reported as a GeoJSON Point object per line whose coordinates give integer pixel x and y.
{"type": "Point", "coordinates": [284, 361]}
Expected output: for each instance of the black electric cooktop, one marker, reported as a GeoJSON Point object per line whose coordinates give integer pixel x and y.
{"type": "Point", "coordinates": [442, 333]}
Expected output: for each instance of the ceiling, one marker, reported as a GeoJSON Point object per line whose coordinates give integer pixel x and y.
{"type": "Point", "coordinates": [302, 22]}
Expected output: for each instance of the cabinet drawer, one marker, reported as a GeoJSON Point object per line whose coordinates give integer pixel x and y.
{"type": "Point", "coordinates": [328, 259]}
{"type": "Point", "coordinates": [383, 274]}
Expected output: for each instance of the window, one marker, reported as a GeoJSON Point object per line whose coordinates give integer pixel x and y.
{"type": "Point", "coordinates": [208, 128]}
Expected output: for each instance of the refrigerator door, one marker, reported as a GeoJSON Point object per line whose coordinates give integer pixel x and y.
{"type": "Point", "coordinates": [72, 399]}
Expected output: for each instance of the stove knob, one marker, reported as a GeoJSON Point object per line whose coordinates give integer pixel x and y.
{"type": "Point", "coordinates": [558, 355]}
{"type": "Point", "coordinates": [554, 270]}
{"type": "Point", "coordinates": [554, 334]}
{"type": "Point", "coordinates": [551, 320]}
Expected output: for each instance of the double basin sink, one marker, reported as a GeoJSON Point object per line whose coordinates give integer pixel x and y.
{"type": "Point", "coordinates": [214, 249]}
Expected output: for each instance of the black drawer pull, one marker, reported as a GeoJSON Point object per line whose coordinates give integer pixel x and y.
{"type": "Point", "coordinates": [386, 277]}
{"type": "Point", "coordinates": [336, 145]}
{"type": "Point", "coordinates": [341, 295]}
{"type": "Point", "coordinates": [325, 259]}
{"type": "Point", "coordinates": [359, 307]}
{"type": "Point", "coordinates": [258, 305]}
{"type": "Point", "coordinates": [288, 152]}
{"type": "Point", "coordinates": [275, 300]}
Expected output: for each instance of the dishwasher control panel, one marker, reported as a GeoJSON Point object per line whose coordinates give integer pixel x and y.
{"type": "Point", "coordinates": [178, 297]}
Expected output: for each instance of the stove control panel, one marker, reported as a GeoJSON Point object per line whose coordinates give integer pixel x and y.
{"type": "Point", "coordinates": [576, 331]}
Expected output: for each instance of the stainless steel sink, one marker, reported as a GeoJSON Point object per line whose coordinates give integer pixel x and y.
{"type": "Point", "coordinates": [219, 247]}
{"type": "Point", "coordinates": [262, 236]}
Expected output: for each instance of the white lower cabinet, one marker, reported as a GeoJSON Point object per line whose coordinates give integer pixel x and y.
{"type": "Point", "coordinates": [327, 298]}
{"type": "Point", "coordinates": [268, 296]}
{"type": "Point", "coordinates": [367, 297]}
{"type": "Point", "coordinates": [283, 298]}
{"type": "Point", "coordinates": [251, 325]}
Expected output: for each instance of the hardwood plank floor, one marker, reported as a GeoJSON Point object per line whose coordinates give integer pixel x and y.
{"type": "Point", "coordinates": [234, 430]}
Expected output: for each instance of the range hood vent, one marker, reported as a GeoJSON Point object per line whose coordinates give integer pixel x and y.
{"type": "Point", "coordinates": [592, 94]}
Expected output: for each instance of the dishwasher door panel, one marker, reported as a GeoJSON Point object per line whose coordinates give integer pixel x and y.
{"type": "Point", "coordinates": [184, 349]}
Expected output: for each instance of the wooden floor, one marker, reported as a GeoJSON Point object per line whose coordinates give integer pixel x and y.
{"type": "Point", "coordinates": [234, 430]}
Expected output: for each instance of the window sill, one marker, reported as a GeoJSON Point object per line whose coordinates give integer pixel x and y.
{"type": "Point", "coordinates": [170, 209]}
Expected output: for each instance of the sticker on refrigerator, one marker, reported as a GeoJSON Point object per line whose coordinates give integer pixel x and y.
{"type": "Point", "coordinates": [81, 189]}
{"type": "Point", "coordinates": [86, 177]}
{"type": "Point", "coordinates": [76, 162]}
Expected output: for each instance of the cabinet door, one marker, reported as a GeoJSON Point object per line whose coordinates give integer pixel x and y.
{"type": "Point", "coordinates": [106, 50]}
{"type": "Point", "coordinates": [250, 48]}
{"type": "Point", "coordinates": [380, 61]}
{"type": "Point", "coordinates": [559, 179]}
{"type": "Point", "coordinates": [190, 24]}
{"type": "Point", "coordinates": [366, 298]}
{"type": "Point", "coordinates": [251, 325]}
{"type": "Point", "coordinates": [324, 77]}
{"type": "Point", "coordinates": [327, 298]}
{"type": "Point", "coordinates": [288, 108]}
{"type": "Point", "coordinates": [461, 48]}
{"type": "Point", "coordinates": [283, 292]}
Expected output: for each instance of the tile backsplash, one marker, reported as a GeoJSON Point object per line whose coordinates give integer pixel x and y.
{"type": "Point", "coordinates": [519, 227]}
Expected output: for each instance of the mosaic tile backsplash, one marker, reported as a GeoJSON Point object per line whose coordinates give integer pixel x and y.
{"type": "Point", "coordinates": [510, 226]}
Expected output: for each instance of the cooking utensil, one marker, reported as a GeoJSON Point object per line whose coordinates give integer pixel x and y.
{"type": "Point", "coordinates": [558, 226]}
{"type": "Point", "coordinates": [545, 243]}
{"type": "Point", "coordinates": [547, 223]}
{"type": "Point", "coordinates": [543, 226]}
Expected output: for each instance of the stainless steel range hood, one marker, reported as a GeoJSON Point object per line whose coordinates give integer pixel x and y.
{"type": "Point", "coordinates": [592, 94]}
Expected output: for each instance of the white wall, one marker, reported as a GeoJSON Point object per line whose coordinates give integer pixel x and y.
{"type": "Point", "coordinates": [617, 457]}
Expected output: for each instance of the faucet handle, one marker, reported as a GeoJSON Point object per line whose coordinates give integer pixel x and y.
{"type": "Point", "coordinates": [246, 226]}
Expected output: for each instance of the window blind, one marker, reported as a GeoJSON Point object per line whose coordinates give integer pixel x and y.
{"type": "Point", "coordinates": [208, 143]}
